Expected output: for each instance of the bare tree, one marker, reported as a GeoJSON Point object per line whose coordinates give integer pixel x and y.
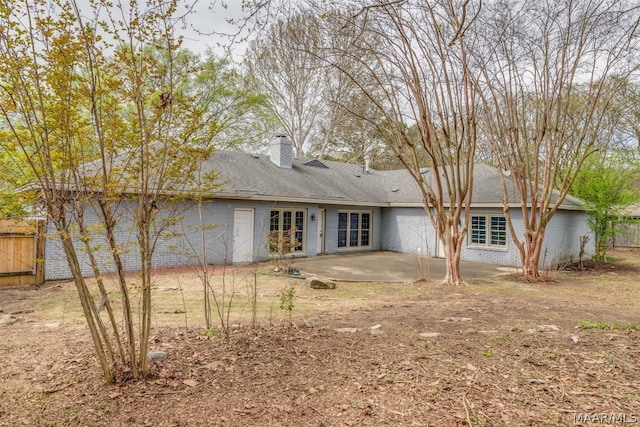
{"type": "Point", "coordinates": [412, 65]}
{"type": "Point", "coordinates": [309, 97]}
{"type": "Point", "coordinates": [337, 90]}
{"type": "Point", "coordinates": [626, 107]}
{"type": "Point", "coordinates": [340, 133]}
{"type": "Point", "coordinates": [546, 87]}
{"type": "Point", "coordinates": [409, 60]}
{"type": "Point", "coordinates": [290, 77]}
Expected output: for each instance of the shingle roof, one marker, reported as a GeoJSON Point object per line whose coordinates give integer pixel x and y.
{"type": "Point", "coordinates": [402, 189]}
{"type": "Point", "coordinates": [320, 181]}
{"type": "Point", "coordinates": [256, 177]}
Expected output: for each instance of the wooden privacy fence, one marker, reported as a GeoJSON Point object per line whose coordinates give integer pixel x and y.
{"type": "Point", "coordinates": [22, 252]}
{"type": "Point", "coordinates": [627, 234]}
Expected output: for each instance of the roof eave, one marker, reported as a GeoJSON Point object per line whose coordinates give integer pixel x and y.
{"type": "Point", "coordinates": [308, 200]}
{"type": "Point", "coordinates": [483, 206]}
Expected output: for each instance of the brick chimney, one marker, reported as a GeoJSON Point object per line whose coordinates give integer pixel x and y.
{"type": "Point", "coordinates": [282, 152]}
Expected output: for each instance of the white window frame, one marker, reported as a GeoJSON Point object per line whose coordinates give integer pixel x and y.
{"type": "Point", "coordinates": [489, 231]}
{"type": "Point", "coordinates": [360, 230]}
{"type": "Point", "coordinates": [303, 240]}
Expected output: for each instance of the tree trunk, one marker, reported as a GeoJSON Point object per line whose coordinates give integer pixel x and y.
{"type": "Point", "coordinates": [452, 243]}
{"type": "Point", "coordinates": [146, 264]}
{"type": "Point", "coordinates": [110, 223]}
{"type": "Point", "coordinates": [205, 268]}
{"type": "Point", "coordinates": [530, 252]}
{"type": "Point", "coordinates": [86, 301]}
{"type": "Point", "coordinates": [104, 301]}
{"type": "Point", "coordinates": [452, 266]}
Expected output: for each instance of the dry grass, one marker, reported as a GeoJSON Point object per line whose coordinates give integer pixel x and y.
{"type": "Point", "coordinates": [177, 296]}
{"type": "Point", "coordinates": [493, 364]}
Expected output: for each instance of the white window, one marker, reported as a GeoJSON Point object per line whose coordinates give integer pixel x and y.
{"type": "Point", "coordinates": [284, 222]}
{"type": "Point", "coordinates": [488, 230]}
{"type": "Point", "coordinates": [354, 229]}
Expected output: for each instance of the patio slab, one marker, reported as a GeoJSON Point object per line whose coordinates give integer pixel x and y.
{"type": "Point", "coordinates": [386, 266]}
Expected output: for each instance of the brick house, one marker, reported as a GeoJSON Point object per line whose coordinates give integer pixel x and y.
{"type": "Point", "coordinates": [334, 207]}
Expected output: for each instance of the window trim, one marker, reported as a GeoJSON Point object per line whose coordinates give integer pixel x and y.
{"type": "Point", "coordinates": [305, 223]}
{"type": "Point", "coordinates": [488, 232]}
{"type": "Point", "coordinates": [348, 230]}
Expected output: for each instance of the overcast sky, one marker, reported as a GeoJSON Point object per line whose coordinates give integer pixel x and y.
{"type": "Point", "coordinates": [211, 18]}
{"type": "Point", "coordinates": [203, 27]}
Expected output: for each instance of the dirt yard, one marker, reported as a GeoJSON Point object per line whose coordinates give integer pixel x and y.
{"type": "Point", "coordinates": [497, 352]}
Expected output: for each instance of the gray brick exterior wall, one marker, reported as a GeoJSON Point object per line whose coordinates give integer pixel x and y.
{"type": "Point", "coordinates": [408, 230]}
{"type": "Point", "coordinates": [183, 244]}
{"type": "Point", "coordinates": [562, 239]}
{"type": "Point", "coordinates": [394, 229]}
{"type": "Point", "coordinates": [509, 255]}
{"type": "Point", "coordinates": [561, 243]}
{"type": "Point", "coordinates": [170, 251]}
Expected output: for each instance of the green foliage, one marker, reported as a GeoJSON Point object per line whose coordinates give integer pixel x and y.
{"type": "Point", "coordinates": [287, 296]}
{"type": "Point", "coordinates": [11, 204]}
{"type": "Point", "coordinates": [487, 353]}
{"type": "Point", "coordinates": [605, 182]}
{"type": "Point", "coordinates": [94, 113]}
{"type": "Point", "coordinates": [587, 324]}
{"type": "Point", "coordinates": [226, 95]}
{"type": "Point", "coordinates": [15, 174]}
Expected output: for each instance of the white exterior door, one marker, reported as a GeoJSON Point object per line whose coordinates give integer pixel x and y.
{"type": "Point", "coordinates": [320, 231]}
{"type": "Point", "coordinates": [243, 235]}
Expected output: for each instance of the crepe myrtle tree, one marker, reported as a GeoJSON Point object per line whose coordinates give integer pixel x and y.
{"type": "Point", "coordinates": [551, 70]}
{"type": "Point", "coordinates": [411, 60]}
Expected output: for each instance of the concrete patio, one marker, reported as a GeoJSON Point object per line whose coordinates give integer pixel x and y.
{"type": "Point", "coordinates": [389, 267]}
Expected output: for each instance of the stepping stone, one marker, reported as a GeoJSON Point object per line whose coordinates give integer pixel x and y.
{"type": "Point", "coordinates": [319, 284]}
{"type": "Point", "coordinates": [376, 330]}
{"type": "Point", "coordinates": [456, 319]}
{"type": "Point", "coordinates": [427, 335]}
{"type": "Point", "coordinates": [548, 328]}
{"type": "Point", "coordinates": [156, 356]}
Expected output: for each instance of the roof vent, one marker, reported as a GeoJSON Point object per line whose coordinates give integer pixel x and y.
{"type": "Point", "coordinates": [316, 164]}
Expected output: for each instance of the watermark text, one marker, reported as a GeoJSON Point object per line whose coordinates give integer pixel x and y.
{"type": "Point", "coordinates": [605, 418]}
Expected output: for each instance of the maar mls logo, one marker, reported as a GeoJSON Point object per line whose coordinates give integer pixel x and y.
{"type": "Point", "coordinates": [605, 418]}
